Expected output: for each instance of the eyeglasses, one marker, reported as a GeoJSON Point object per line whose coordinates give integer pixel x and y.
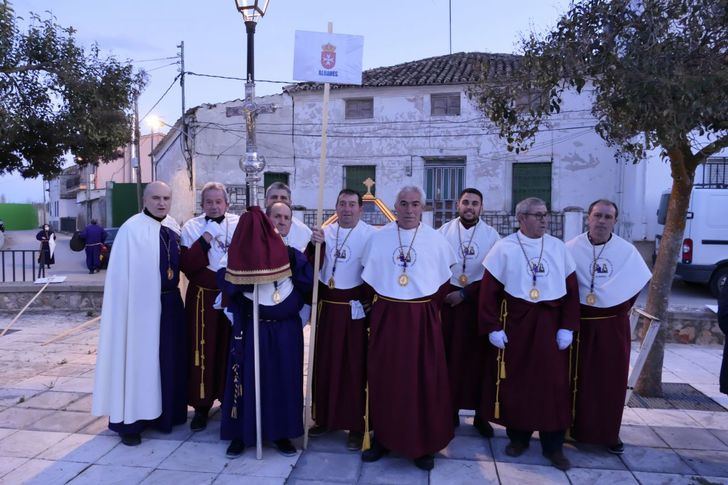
{"type": "Point", "coordinates": [538, 215]}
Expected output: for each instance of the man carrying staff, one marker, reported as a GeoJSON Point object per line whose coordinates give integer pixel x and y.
{"type": "Point", "coordinates": [469, 357]}
{"type": "Point", "coordinates": [284, 278]}
{"type": "Point", "coordinates": [205, 240]}
{"type": "Point", "coordinates": [299, 234]}
{"type": "Point", "coordinates": [611, 274]}
{"type": "Point", "coordinates": [94, 237]}
{"type": "Point", "coordinates": [529, 308]}
{"type": "Point", "coordinates": [141, 368]}
{"type": "Point", "coordinates": [339, 372]}
{"type": "Point", "coordinates": [407, 264]}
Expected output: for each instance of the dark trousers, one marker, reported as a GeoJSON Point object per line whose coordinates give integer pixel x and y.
{"type": "Point", "coordinates": [550, 440]}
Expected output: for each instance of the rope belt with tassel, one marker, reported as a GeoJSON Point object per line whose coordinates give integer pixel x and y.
{"type": "Point", "coordinates": [501, 363]}
{"type": "Point", "coordinates": [200, 335]}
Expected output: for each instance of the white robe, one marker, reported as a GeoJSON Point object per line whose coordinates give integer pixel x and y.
{"type": "Point", "coordinates": [127, 381]}
{"type": "Point", "coordinates": [620, 271]}
{"type": "Point", "coordinates": [431, 258]}
{"type": "Point", "coordinates": [472, 250]}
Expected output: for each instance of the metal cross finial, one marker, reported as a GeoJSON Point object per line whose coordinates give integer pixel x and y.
{"type": "Point", "coordinates": [368, 183]}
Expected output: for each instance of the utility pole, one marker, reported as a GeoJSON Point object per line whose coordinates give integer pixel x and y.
{"type": "Point", "coordinates": [186, 152]}
{"type": "Point", "coordinates": [137, 152]}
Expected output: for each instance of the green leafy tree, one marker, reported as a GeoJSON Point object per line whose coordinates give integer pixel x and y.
{"type": "Point", "coordinates": [56, 98]}
{"type": "Point", "coordinates": [658, 74]}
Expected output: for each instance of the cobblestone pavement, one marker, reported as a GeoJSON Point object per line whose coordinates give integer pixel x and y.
{"type": "Point", "coordinates": [48, 436]}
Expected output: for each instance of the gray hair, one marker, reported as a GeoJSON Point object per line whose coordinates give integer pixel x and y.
{"type": "Point", "coordinates": [525, 205]}
{"type": "Point", "coordinates": [213, 186]}
{"type": "Point", "coordinates": [410, 188]}
{"type": "Point", "coordinates": [278, 186]}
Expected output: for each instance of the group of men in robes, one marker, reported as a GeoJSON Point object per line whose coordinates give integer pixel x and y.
{"type": "Point", "coordinates": [414, 325]}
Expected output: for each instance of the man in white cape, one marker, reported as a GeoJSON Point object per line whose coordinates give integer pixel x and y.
{"type": "Point", "coordinates": [611, 274]}
{"type": "Point", "coordinates": [299, 234]}
{"type": "Point", "coordinates": [140, 377]}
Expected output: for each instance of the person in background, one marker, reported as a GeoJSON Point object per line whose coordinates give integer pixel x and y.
{"type": "Point", "coordinates": [47, 239]}
{"type": "Point", "coordinates": [94, 237]}
{"type": "Point", "coordinates": [723, 323]}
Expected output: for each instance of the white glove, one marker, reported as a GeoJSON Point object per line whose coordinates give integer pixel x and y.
{"type": "Point", "coordinates": [498, 339]}
{"type": "Point", "coordinates": [213, 229]}
{"type": "Point", "coordinates": [564, 338]}
{"type": "Point", "coordinates": [357, 310]}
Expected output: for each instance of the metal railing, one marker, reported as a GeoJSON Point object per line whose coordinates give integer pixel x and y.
{"type": "Point", "coordinates": [507, 224]}
{"type": "Point", "coordinates": [15, 265]}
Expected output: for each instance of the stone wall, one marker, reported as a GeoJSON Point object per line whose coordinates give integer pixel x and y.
{"type": "Point", "coordinates": [693, 326]}
{"type": "Point", "coordinates": [14, 296]}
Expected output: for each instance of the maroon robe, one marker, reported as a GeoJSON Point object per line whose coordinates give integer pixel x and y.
{"type": "Point", "coordinates": [409, 393]}
{"type": "Point", "coordinates": [535, 394]}
{"type": "Point", "coordinates": [339, 372]}
{"type": "Point", "coordinates": [208, 330]}
{"type": "Point", "coordinates": [470, 357]}
{"type": "Point", "coordinates": [602, 349]}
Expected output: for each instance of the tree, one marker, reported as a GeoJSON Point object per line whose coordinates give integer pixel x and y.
{"type": "Point", "coordinates": [659, 74]}
{"type": "Point", "coordinates": [56, 98]}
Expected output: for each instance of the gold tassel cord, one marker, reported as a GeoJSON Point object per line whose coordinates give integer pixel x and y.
{"type": "Point", "coordinates": [500, 361]}
{"type": "Point", "coordinates": [576, 375]}
{"type": "Point", "coordinates": [198, 302]}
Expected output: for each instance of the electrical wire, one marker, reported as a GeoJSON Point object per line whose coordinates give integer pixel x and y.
{"type": "Point", "coordinates": [161, 97]}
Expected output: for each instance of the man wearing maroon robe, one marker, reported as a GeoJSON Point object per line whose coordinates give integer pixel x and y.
{"type": "Point", "coordinates": [529, 308]}
{"type": "Point", "coordinates": [611, 274]}
{"type": "Point", "coordinates": [407, 264]}
{"type": "Point", "coordinates": [339, 375]}
{"type": "Point", "coordinates": [469, 357]}
{"type": "Point", "coordinates": [205, 240]}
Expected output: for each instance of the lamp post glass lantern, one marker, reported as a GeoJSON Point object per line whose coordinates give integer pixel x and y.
{"type": "Point", "coordinates": [252, 10]}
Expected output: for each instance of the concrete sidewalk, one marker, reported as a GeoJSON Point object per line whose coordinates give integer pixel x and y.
{"type": "Point", "coordinates": [48, 436]}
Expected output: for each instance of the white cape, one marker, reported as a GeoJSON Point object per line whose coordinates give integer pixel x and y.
{"type": "Point", "coordinates": [348, 263]}
{"type": "Point", "coordinates": [127, 381]}
{"type": "Point", "coordinates": [428, 269]}
{"type": "Point", "coordinates": [194, 228]}
{"type": "Point", "coordinates": [472, 250]}
{"type": "Point", "coordinates": [507, 263]}
{"type": "Point", "coordinates": [299, 236]}
{"type": "Point", "coordinates": [620, 271]}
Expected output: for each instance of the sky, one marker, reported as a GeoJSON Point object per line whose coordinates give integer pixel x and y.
{"type": "Point", "coordinates": [148, 32]}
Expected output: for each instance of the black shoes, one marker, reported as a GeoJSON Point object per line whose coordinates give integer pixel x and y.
{"type": "Point", "coordinates": [353, 442]}
{"type": "Point", "coordinates": [426, 462]}
{"type": "Point", "coordinates": [617, 449]}
{"type": "Point", "coordinates": [285, 447]}
{"type": "Point", "coordinates": [131, 439]}
{"type": "Point", "coordinates": [558, 460]}
{"type": "Point", "coordinates": [235, 449]}
{"type": "Point", "coordinates": [316, 431]}
{"type": "Point", "coordinates": [483, 427]}
{"type": "Point", "coordinates": [374, 453]}
{"type": "Point", "coordinates": [515, 449]}
{"type": "Point", "coordinates": [199, 421]}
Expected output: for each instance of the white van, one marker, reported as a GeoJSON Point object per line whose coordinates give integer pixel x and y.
{"type": "Point", "coordinates": [704, 256]}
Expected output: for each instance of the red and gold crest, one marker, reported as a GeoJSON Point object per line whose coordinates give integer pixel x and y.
{"type": "Point", "coordinates": [328, 56]}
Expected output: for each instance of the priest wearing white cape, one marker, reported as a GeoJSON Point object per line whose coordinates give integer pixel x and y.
{"type": "Point", "coordinates": [407, 264]}
{"type": "Point", "coordinates": [611, 274]}
{"type": "Point", "coordinates": [140, 377]}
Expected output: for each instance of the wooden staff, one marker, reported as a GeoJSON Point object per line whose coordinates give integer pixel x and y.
{"type": "Point", "coordinates": [316, 261]}
{"type": "Point", "coordinates": [644, 350]}
{"type": "Point", "coordinates": [71, 330]}
{"type": "Point", "coordinates": [25, 308]}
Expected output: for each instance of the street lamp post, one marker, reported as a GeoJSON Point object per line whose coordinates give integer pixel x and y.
{"type": "Point", "coordinates": [252, 164]}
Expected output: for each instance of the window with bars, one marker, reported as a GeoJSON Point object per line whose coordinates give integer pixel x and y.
{"type": "Point", "coordinates": [531, 180]}
{"type": "Point", "coordinates": [355, 175]}
{"type": "Point", "coordinates": [445, 104]}
{"type": "Point", "coordinates": [359, 108]}
{"type": "Point", "coordinates": [444, 180]}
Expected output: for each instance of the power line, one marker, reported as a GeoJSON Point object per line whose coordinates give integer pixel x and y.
{"type": "Point", "coordinates": [233, 78]}
{"type": "Point", "coordinates": [160, 67]}
{"type": "Point", "coordinates": [162, 97]}
{"type": "Point", "coordinates": [155, 60]}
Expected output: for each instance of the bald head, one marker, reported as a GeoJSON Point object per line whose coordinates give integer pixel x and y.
{"type": "Point", "coordinates": [157, 198]}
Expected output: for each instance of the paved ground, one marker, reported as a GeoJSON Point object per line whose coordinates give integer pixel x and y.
{"type": "Point", "coordinates": [48, 436]}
